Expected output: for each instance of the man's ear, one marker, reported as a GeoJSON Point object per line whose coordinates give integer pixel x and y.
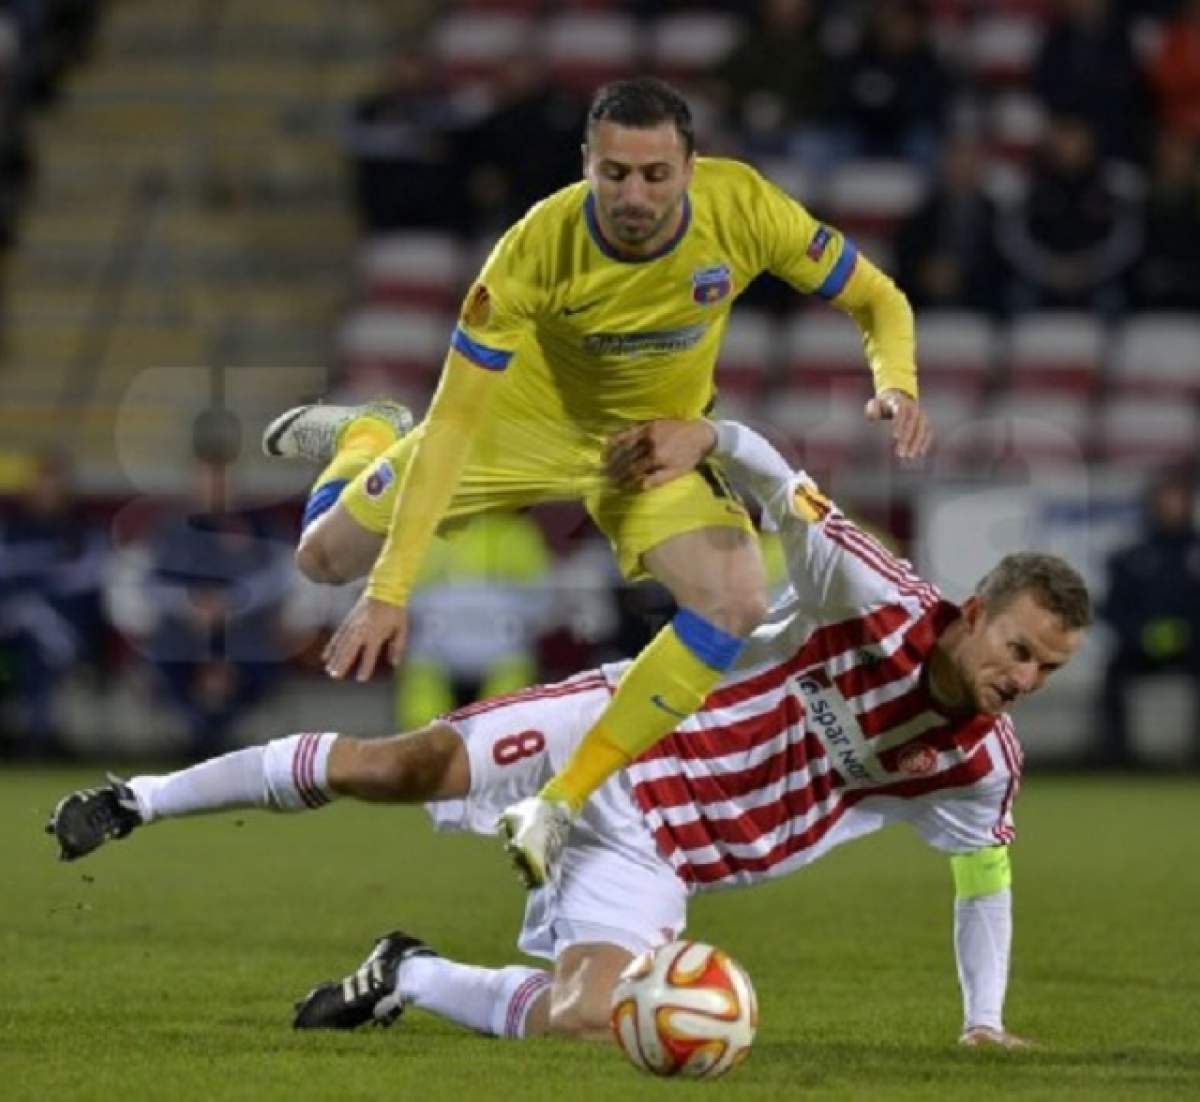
{"type": "Point", "coordinates": [972, 610]}
{"type": "Point", "coordinates": [583, 156]}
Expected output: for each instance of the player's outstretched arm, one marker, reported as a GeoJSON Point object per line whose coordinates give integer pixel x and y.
{"type": "Point", "coordinates": [982, 943]}
{"type": "Point", "coordinates": [378, 623]}
{"type": "Point", "coordinates": [882, 313]}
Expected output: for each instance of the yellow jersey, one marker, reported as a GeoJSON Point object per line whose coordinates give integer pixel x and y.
{"type": "Point", "coordinates": [601, 339]}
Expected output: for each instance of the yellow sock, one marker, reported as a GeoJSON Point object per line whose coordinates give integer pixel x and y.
{"type": "Point", "coordinates": [666, 683]}
{"type": "Point", "coordinates": [358, 444]}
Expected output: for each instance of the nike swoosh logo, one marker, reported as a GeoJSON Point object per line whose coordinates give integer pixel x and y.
{"type": "Point", "coordinates": [662, 705]}
{"type": "Point", "coordinates": [571, 311]}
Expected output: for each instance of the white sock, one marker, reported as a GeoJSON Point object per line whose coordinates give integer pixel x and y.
{"type": "Point", "coordinates": [982, 941]}
{"type": "Point", "coordinates": [488, 1000]}
{"type": "Point", "coordinates": [288, 774]}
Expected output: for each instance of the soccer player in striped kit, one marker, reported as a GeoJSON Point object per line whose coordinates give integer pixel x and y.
{"type": "Point", "coordinates": [865, 699]}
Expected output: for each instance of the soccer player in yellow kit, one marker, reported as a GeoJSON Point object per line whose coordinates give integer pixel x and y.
{"type": "Point", "coordinates": [604, 307]}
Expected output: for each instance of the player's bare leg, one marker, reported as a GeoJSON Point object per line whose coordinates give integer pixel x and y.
{"type": "Point", "coordinates": [297, 773]}
{"type": "Point", "coordinates": [718, 579]}
{"type": "Point", "coordinates": [336, 549]}
{"type": "Point", "coordinates": [580, 999]}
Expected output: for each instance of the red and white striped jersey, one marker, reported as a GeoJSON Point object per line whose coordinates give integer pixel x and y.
{"type": "Point", "coordinates": [826, 730]}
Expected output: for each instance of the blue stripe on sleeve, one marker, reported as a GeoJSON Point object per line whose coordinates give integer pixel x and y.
{"type": "Point", "coordinates": [491, 358]}
{"type": "Point", "coordinates": [840, 272]}
{"type": "Point", "coordinates": [321, 500]}
{"type": "Point", "coordinates": [714, 647]}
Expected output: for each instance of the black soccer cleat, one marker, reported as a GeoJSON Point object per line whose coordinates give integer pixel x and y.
{"type": "Point", "coordinates": [85, 820]}
{"type": "Point", "coordinates": [368, 995]}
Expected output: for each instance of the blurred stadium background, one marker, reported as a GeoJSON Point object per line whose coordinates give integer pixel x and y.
{"type": "Point", "coordinates": [211, 209]}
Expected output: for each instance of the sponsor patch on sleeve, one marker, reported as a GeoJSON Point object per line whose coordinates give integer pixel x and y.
{"type": "Point", "coordinates": [816, 247]}
{"type": "Point", "coordinates": [477, 309]}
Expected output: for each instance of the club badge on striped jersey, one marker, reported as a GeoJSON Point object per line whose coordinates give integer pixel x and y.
{"type": "Point", "coordinates": [477, 308]}
{"type": "Point", "coordinates": [918, 760]}
{"type": "Point", "coordinates": [712, 284]}
{"type": "Point", "coordinates": [380, 478]}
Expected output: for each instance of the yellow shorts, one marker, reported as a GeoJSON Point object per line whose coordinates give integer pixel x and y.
{"type": "Point", "coordinates": [512, 466]}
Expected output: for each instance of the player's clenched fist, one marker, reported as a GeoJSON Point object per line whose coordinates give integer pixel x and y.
{"type": "Point", "coordinates": [648, 455]}
{"type": "Point", "coordinates": [371, 628]}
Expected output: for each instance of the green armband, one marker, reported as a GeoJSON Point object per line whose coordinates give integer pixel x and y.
{"type": "Point", "coordinates": [984, 872]}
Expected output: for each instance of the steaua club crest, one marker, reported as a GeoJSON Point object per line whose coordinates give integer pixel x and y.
{"type": "Point", "coordinates": [380, 478]}
{"type": "Point", "coordinates": [477, 310]}
{"type": "Point", "coordinates": [711, 285]}
{"type": "Point", "coordinates": [918, 760]}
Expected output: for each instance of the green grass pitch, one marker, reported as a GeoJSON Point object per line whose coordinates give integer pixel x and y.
{"type": "Point", "coordinates": [165, 966]}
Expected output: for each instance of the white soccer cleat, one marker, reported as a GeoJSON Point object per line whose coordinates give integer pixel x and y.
{"type": "Point", "coordinates": [311, 431]}
{"type": "Point", "coordinates": [535, 834]}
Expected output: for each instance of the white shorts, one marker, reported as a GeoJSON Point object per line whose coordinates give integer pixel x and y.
{"type": "Point", "coordinates": [613, 887]}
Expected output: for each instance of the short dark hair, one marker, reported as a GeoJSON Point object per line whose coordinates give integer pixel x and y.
{"type": "Point", "coordinates": [1052, 581]}
{"type": "Point", "coordinates": [643, 102]}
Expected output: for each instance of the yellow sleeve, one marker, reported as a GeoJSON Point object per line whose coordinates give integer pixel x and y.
{"type": "Point", "coordinates": [883, 315]}
{"type": "Point", "coordinates": [458, 407]}
{"type": "Point", "coordinates": [819, 260]}
{"type": "Point", "coordinates": [496, 317]}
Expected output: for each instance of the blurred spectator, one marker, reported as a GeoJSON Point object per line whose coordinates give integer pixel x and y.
{"type": "Point", "coordinates": [774, 83]}
{"type": "Point", "coordinates": [946, 251]}
{"type": "Point", "coordinates": [1153, 609]}
{"type": "Point", "coordinates": [1175, 72]}
{"type": "Point", "coordinates": [218, 581]}
{"type": "Point", "coordinates": [483, 599]}
{"type": "Point", "coordinates": [1167, 276]}
{"type": "Point", "coordinates": [15, 163]}
{"type": "Point", "coordinates": [1086, 68]}
{"type": "Point", "coordinates": [1074, 236]}
{"type": "Point", "coordinates": [51, 571]}
{"type": "Point", "coordinates": [401, 140]}
{"type": "Point", "coordinates": [525, 148]}
{"type": "Point", "coordinates": [892, 91]}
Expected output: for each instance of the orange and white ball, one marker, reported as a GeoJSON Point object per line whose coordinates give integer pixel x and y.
{"type": "Point", "coordinates": [685, 1009]}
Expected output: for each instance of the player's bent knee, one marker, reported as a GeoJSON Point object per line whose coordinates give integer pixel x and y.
{"type": "Point", "coordinates": [317, 562]}
{"type": "Point", "coordinates": [747, 611]}
{"type": "Point", "coordinates": [577, 1019]}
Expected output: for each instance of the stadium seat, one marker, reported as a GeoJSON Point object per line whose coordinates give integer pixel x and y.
{"type": "Point", "coordinates": [585, 49]}
{"type": "Point", "coordinates": [956, 350]}
{"type": "Point", "coordinates": [821, 425]}
{"type": "Point", "coordinates": [824, 348]}
{"type": "Point", "coordinates": [416, 269]}
{"type": "Point", "coordinates": [789, 175]}
{"type": "Point", "coordinates": [1001, 47]}
{"type": "Point", "coordinates": [872, 197]}
{"type": "Point", "coordinates": [1148, 430]}
{"type": "Point", "coordinates": [404, 346]}
{"type": "Point", "coordinates": [953, 413]}
{"type": "Point", "coordinates": [1158, 354]}
{"type": "Point", "coordinates": [470, 46]}
{"type": "Point", "coordinates": [1055, 350]}
{"type": "Point", "coordinates": [748, 353]}
{"type": "Point", "coordinates": [687, 46]}
{"type": "Point", "coordinates": [1054, 429]}
{"type": "Point", "coordinates": [1016, 120]}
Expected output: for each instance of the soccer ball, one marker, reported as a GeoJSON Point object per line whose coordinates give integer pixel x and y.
{"type": "Point", "coordinates": [685, 1009]}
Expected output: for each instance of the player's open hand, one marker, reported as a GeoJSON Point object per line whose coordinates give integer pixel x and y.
{"type": "Point", "coordinates": [371, 629]}
{"type": "Point", "coordinates": [983, 1036]}
{"type": "Point", "coordinates": [910, 427]}
{"type": "Point", "coordinates": [648, 455]}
